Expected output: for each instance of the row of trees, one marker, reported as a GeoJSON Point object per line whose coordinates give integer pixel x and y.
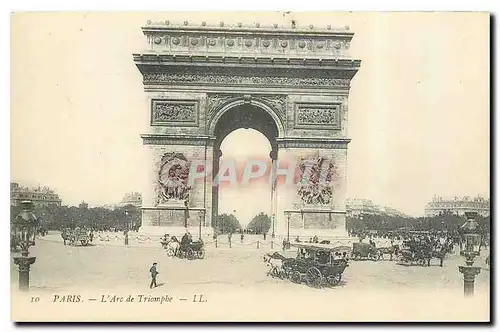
{"type": "Point", "coordinates": [260, 224]}
{"type": "Point", "coordinates": [445, 221]}
{"type": "Point", "coordinates": [55, 217]}
{"type": "Point", "coordinates": [228, 223]}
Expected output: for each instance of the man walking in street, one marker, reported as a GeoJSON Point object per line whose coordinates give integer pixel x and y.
{"type": "Point", "coordinates": [154, 273]}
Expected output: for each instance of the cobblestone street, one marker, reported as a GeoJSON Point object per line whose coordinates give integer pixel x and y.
{"type": "Point", "coordinates": [116, 268]}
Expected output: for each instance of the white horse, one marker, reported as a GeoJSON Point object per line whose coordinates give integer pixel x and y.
{"type": "Point", "coordinates": [275, 265]}
{"type": "Point", "coordinates": [172, 246]}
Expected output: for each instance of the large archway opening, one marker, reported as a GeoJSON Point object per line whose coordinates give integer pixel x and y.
{"type": "Point", "coordinates": [244, 150]}
{"type": "Point", "coordinates": [245, 199]}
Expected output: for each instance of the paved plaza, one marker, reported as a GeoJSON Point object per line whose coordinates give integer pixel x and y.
{"type": "Point", "coordinates": [113, 267]}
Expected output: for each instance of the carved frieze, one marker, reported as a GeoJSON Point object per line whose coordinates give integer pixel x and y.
{"type": "Point", "coordinates": [217, 100]}
{"type": "Point", "coordinates": [276, 102]}
{"type": "Point", "coordinates": [174, 112]}
{"type": "Point", "coordinates": [172, 179]}
{"type": "Point", "coordinates": [315, 115]}
{"type": "Point", "coordinates": [312, 144]}
{"type": "Point", "coordinates": [174, 78]}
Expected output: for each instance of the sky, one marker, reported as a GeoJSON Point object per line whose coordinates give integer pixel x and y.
{"type": "Point", "coordinates": [418, 107]}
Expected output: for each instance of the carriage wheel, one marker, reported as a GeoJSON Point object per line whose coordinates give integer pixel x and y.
{"type": "Point", "coordinates": [170, 252]}
{"type": "Point", "coordinates": [334, 279]}
{"type": "Point", "coordinates": [314, 277]}
{"type": "Point", "coordinates": [189, 253]}
{"type": "Point", "coordinates": [200, 253]}
{"type": "Point", "coordinates": [295, 277]}
{"type": "Point", "coordinates": [84, 242]}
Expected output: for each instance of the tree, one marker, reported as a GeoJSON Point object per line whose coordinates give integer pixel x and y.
{"type": "Point", "coordinates": [446, 221]}
{"type": "Point", "coordinates": [484, 224]}
{"type": "Point", "coordinates": [260, 224]}
{"type": "Point", "coordinates": [54, 217]}
{"type": "Point", "coordinates": [227, 223]}
{"type": "Point", "coordinates": [129, 214]}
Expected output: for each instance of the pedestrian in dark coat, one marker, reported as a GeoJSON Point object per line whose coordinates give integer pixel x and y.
{"type": "Point", "coordinates": [154, 272]}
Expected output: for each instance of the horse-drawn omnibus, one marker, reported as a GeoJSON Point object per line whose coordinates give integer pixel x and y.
{"type": "Point", "coordinates": [316, 264]}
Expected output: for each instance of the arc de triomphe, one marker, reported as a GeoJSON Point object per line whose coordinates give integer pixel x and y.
{"type": "Point", "coordinates": [202, 83]}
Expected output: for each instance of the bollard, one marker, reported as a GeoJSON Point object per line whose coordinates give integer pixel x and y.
{"type": "Point", "coordinates": [257, 244]}
{"type": "Point", "coordinates": [229, 243]}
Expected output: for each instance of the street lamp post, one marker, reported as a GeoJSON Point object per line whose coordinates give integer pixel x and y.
{"type": "Point", "coordinates": [24, 226]}
{"type": "Point", "coordinates": [274, 219]}
{"type": "Point", "coordinates": [222, 229]}
{"type": "Point", "coordinates": [288, 215]}
{"type": "Point", "coordinates": [126, 227]}
{"type": "Point", "coordinates": [202, 217]}
{"type": "Point", "coordinates": [186, 214]}
{"type": "Point", "coordinates": [469, 248]}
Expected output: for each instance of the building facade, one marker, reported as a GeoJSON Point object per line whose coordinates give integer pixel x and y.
{"type": "Point", "coordinates": [133, 198]}
{"type": "Point", "coordinates": [40, 196]}
{"type": "Point", "coordinates": [357, 207]}
{"type": "Point", "coordinates": [457, 206]}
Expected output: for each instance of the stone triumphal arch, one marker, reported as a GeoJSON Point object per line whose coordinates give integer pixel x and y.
{"type": "Point", "coordinates": [291, 84]}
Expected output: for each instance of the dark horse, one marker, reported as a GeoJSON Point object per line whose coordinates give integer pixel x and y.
{"type": "Point", "coordinates": [392, 250]}
{"type": "Point", "coordinates": [440, 253]}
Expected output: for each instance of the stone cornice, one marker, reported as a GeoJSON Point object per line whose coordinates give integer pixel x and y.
{"type": "Point", "coordinates": [168, 208]}
{"type": "Point", "coordinates": [187, 69]}
{"type": "Point", "coordinates": [319, 143]}
{"type": "Point", "coordinates": [165, 139]}
{"type": "Point", "coordinates": [327, 210]}
{"type": "Point", "coordinates": [225, 29]}
{"type": "Point", "coordinates": [163, 37]}
{"type": "Point", "coordinates": [289, 142]}
{"type": "Point", "coordinates": [262, 60]}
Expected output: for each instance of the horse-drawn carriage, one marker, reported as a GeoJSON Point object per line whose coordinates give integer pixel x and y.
{"type": "Point", "coordinates": [189, 249]}
{"type": "Point", "coordinates": [361, 251]}
{"type": "Point", "coordinates": [316, 264]}
{"type": "Point", "coordinates": [417, 252]}
{"type": "Point", "coordinates": [76, 236]}
{"type": "Point", "coordinates": [192, 250]}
